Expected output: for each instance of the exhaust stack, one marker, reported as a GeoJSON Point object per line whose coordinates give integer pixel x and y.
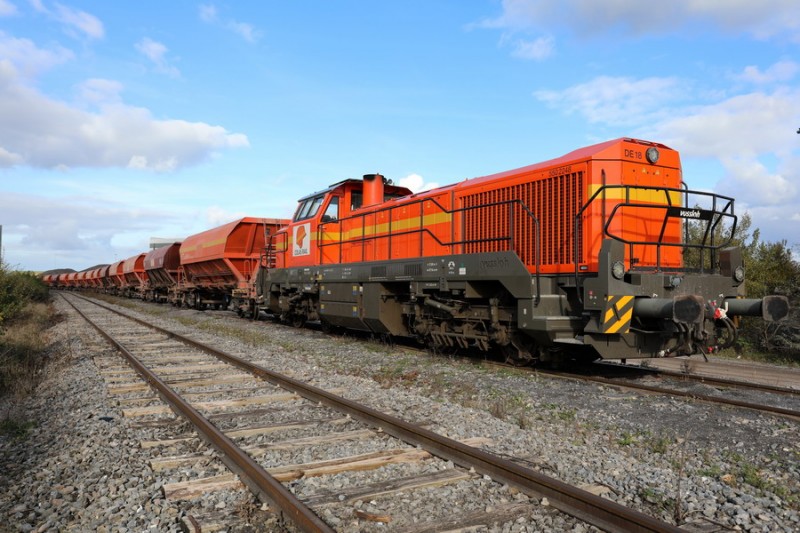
{"type": "Point", "coordinates": [373, 189]}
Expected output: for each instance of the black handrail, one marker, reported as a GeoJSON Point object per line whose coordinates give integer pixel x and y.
{"type": "Point", "coordinates": [423, 230]}
{"type": "Point", "coordinates": [721, 207]}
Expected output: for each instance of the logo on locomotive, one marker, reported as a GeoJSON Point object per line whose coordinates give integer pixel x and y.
{"type": "Point", "coordinates": [301, 238]}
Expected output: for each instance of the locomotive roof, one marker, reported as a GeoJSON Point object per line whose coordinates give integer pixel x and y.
{"type": "Point", "coordinates": [345, 182]}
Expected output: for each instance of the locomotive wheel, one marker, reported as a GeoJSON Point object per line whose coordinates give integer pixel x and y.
{"type": "Point", "coordinates": [298, 321]}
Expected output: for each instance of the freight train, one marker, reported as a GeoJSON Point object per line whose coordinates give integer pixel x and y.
{"type": "Point", "coordinates": [601, 253]}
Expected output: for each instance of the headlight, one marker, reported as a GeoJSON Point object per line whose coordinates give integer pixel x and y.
{"type": "Point", "coordinates": [738, 274]}
{"type": "Point", "coordinates": [618, 270]}
{"type": "Point", "coordinates": [652, 155]}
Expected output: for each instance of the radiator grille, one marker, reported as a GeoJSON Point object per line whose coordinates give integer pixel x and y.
{"type": "Point", "coordinates": [492, 223]}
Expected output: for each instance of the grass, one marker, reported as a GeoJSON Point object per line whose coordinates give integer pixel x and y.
{"type": "Point", "coordinates": [23, 349]}
{"type": "Point", "coordinates": [15, 429]}
{"type": "Point", "coordinates": [23, 360]}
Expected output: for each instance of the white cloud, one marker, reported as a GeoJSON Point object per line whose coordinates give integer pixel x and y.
{"type": "Point", "coordinates": [208, 13]}
{"type": "Point", "coordinates": [7, 8]}
{"type": "Point", "coordinates": [97, 91]}
{"type": "Point", "coordinates": [29, 58]}
{"type": "Point", "coordinates": [750, 135]}
{"type": "Point", "coordinates": [244, 30]}
{"type": "Point", "coordinates": [48, 133]}
{"type": "Point", "coordinates": [619, 18]}
{"type": "Point", "coordinates": [538, 49]}
{"type": "Point", "coordinates": [156, 53]}
{"type": "Point", "coordinates": [74, 222]}
{"type": "Point", "coordinates": [416, 183]}
{"type": "Point", "coordinates": [217, 216]}
{"type": "Point", "coordinates": [781, 71]}
{"type": "Point", "coordinates": [752, 181]}
{"type": "Point", "coordinates": [762, 19]}
{"type": "Point", "coordinates": [38, 6]}
{"type": "Point", "coordinates": [745, 125]}
{"type": "Point", "coordinates": [615, 100]}
{"type": "Point", "coordinates": [85, 23]}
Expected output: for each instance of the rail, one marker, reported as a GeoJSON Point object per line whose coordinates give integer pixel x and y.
{"type": "Point", "coordinates": [251, 473]}
{"type": "Point", "coordinates": [602, 513]}
{"type": "Point", "coordinates": [422, 231]}
{"type": "Point", "coordinates": [711, 221]}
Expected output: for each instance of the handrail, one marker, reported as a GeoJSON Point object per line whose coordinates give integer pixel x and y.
{"type": "Point", "coordinates": [721, 207]}
{"type": "Point", "coordinates": [422, 230]}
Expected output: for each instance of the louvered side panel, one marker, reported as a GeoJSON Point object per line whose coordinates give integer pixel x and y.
{"type": "Point", "coordinates": [554, 201]}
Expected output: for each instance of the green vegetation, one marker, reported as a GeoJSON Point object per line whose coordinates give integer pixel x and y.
{"type": "Point", "coordinates": [24, 316]}
{"type": "Point", "coordinates": [770, 269]}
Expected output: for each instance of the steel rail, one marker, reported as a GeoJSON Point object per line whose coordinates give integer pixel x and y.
{"type": "Point", "coordinates": [727, 382]}
{"type": "Point", "coordinates": [600, 512]}
{"type": "Point", "coordinates": [781, 411]}
{"type": "Point", "coordinates": [250, 472]}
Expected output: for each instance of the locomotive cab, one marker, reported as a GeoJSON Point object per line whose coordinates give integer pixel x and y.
{"type": "Point", "coordinates": [316, 227]}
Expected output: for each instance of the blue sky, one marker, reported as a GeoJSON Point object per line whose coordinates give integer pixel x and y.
{"type": "Point", "coordinates": [121, 121]}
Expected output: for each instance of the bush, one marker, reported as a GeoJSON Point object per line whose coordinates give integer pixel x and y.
{"type": "Point", "coordinates": [17, 289]}
{"type": "Point", "coordinates": [24, 316]}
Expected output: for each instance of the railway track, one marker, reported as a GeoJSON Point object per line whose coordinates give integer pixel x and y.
{"type": "Point", "coordinates": [234, 405]}
{"type": "Point", "coordinates": [769, 399]}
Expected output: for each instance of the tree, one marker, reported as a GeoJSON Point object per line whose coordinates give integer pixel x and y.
{"type": "Point", "coordinates": [770, 269]}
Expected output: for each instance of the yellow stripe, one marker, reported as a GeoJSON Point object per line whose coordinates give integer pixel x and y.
{"type": "Point", "coordinates": [624, 321]}
{"type": "Point", "coordinates": [614, 319]}
{"type": "Point", "coordinates": [638, 195]}
{"type": "Point", "coordinates": [371, 230]}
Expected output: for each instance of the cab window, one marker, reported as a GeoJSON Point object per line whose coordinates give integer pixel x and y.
{"type": "Point", "coordinates": [332, 211]}
{"type": "Point", "coordinates": [308, 208]}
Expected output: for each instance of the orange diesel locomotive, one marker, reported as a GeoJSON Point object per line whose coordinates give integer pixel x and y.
{"type": "Point", "coordinates": [587, 254]}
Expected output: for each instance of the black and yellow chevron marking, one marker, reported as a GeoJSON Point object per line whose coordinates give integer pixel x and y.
{"type": "Point", "coordinates": [617, 314]}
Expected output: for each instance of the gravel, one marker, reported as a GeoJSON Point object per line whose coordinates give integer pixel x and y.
{"type": "Point", "coordinates": [81, 467]}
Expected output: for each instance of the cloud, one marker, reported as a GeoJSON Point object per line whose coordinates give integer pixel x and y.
{"type": "Point", "coordinates": [156, 53]}
{"type": "Point", "coordinates": [30, 59]}
{"type": "Point", "coordinates": [614, 100]}
{"type": "Point", "coordinates": [746, 177]}
{"type": "Point", "coordinates": [7, 9]}
{"type": "Point", "coordinates": [781, 71]}
{"type": "Point", "coordinates": [763, 19]}
{"type": "Point", "coordinates": [41, 132]}
{"type": "Point", "coordinates": [209, 14]}
{"type": "Point", "coordinates": [750, 135]}
{"type": "Point", "coordinates": [633, 18]}
{"type": "Point", "coordinates": [83, 22]}
{"type": "Point", "coordinates": [75, 21]}
{"type": "Point", "coordinates": [97, 91]}
{"type": "Point", "coordinates": [75, 223]}
{"type": "Point", "coordinates": [538, 49]}
{"type": "Point", "coordinates": [745, 125]}
{"type": "Point", "coordinates": [416, 183]}
{"type": "Point", "coordinates": [217, 216]}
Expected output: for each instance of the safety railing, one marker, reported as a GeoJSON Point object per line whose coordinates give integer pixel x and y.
{"type": "Point", "coordinates": [707, 221]}
{"type": "Point", "coordinates": [455, 246]}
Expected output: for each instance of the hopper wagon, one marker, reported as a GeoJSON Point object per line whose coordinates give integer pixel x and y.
{"type": "Point", "coordinates": [218, 266]}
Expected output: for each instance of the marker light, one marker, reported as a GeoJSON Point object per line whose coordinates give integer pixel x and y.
{"type": "Point", "coordinates": [618, 270]}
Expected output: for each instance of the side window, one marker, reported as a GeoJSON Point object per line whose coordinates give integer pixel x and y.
{"type": "Point", "coordinates": [357, 200]}
{"type": "Point", "coordinates": [332, 212]}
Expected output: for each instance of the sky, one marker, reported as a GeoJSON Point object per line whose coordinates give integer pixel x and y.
{"type": "Point", "coordinates": [121, 121]}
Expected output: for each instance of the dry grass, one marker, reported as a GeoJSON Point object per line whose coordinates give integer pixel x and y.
{"type": "Point", "coordinates": [23, 349]}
